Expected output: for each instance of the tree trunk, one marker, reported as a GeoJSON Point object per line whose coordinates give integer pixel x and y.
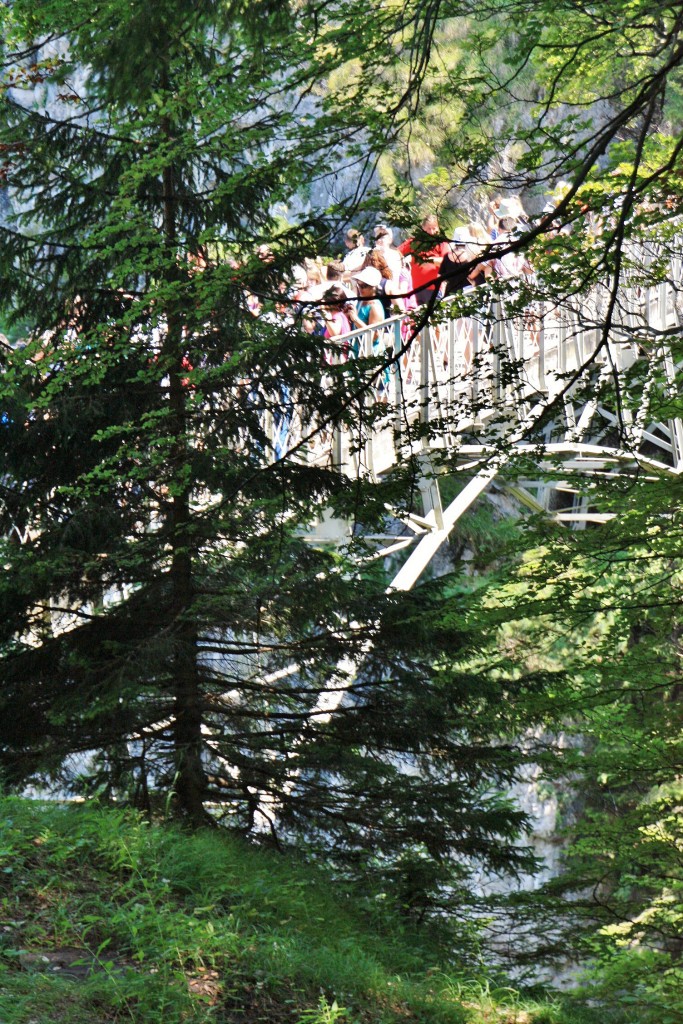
{"type": "Point", "coordinates": [190, 778]}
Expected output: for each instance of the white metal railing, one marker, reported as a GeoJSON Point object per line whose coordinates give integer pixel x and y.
{"type": "Point", "coordinates": [459, 375]}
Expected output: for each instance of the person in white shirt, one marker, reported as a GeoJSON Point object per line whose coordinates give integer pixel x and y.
{"type": "Point", "coordinates": [384, 241]}
{"type": "Point", "coordinates": [357, 251]}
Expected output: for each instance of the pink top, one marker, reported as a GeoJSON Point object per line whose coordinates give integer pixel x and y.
{"type": "Point", "coordinates": [340, 325]}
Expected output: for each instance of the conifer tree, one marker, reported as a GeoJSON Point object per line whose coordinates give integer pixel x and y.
{"type": "Point", "coordinates": [161, 610]}
{"type": "Point", "coordinates": [164, 620]}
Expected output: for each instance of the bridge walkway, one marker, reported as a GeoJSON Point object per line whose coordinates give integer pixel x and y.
{"type": "Point", "coordinates": [565, 383]}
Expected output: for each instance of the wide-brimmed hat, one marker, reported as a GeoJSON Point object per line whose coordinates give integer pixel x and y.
{"type": "Point", "coordinates": [510, 207]}
{"type": "Point", "coordinates": [370, 276]}
{"type": "Point", "coordinates": [461, 236]}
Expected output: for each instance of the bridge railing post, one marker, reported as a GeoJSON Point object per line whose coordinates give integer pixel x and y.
{"type": "Point", "coordinates": [424, 375]}
{"type": "Point", "coordinates": [397, 377]}
{"type": "Point", "coordinates": [562, 344]}
{"type": "Point", "coordinates": [452, 369]}
{"type": "Point", "coordinates": [475, 367]}
{"type": "Point", "coordinates": [542, 383]}
{"type": "Point", "coordinates": [370, 396]}
{"type": "Point", "coordinates": [518, 349]}
{"type": "Point", "coordinates": [496, 345]}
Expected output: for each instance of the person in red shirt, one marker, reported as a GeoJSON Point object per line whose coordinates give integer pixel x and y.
{"type": "Point", "coordinates": [425, 264]}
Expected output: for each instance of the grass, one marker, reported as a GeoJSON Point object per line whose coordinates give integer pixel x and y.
{"type": "Point", "coordinates": [104, 918]}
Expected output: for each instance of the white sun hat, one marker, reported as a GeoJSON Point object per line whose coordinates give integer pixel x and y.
{"type": "Point", "coordinates": [370, 276]}
{"type": "Point", "coordinates": [510, 207]}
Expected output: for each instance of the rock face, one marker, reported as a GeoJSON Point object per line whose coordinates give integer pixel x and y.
{"type": "Point", "coordinates": [513, 937]}
{"type": "Point", "coordinates": [339, 182]}
{"type": "Point", "coordinates": [47, 96]}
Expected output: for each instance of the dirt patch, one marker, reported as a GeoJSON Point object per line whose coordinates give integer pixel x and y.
{"type": "Point", "coordinates": [70, 962]}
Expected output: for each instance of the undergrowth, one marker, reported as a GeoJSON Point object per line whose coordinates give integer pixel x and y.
{"type": "Point", "coordinates": [105, 918]}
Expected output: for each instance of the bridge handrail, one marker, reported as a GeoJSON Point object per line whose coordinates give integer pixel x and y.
{"type": "Point", "coordinates": [470, 368]}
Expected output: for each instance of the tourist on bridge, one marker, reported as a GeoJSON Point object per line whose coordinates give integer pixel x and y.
{"type": "Point", "coordinates": [466, 245]}
{"type": "Point", "coordinates": [368, 313]}
{"type": "Point", "coordinates": [315, 285]}
{"type": "Point", "coordinates": [369, 310]}
{"type": "Point", "coordinates": [512, 221]}
{"type": "Point", "coordinates": [335, 273]}
{"type": "Point", "coordinates": [305, 299]}
{"type": "Point", "coordinates": [511, 264]}
{"type": "Point", "coordinates": [299, 284]}
{"type": "Point", "coordinates": [514, 266]}
{"type": "Point", "coordinates": [335, 312]}
{"type": "Point", "coordinates": [425, 264]}
{"type": "Point", "coordinates": [510, 208]}
{"type": "Point", "coordinates": [384, 243]}
{"type": "Point", "coordinates": [375, 258]}
{"type": "Point", "coordinates": [479, 246]}
{"type": "Point", "coordinates": [357, 251]}
{"type": "Point", "coordinates": [493, 217]}
{"type": "Point", "coordinates": [335, 316]}
{"type": "Point", "coordinates": [453, 268]}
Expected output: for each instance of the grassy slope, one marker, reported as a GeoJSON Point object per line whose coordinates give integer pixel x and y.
{"type": "Point", "coordinates": [105, 918]}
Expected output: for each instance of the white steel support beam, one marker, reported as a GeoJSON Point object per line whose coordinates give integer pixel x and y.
{"type": "Point", "coordinates": [427, 547]}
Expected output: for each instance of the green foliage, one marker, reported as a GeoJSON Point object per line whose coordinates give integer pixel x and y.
{"type": "Point", "coordinates": [165, 626]}
{"type": "Point", "coordinates": [149, 921]}
{"type": "Point", "coordinates": [160, 604]}
{"type": "Point", "coordinates": [532, 97]}
{"type": "Point", "coordinates": [599, 612]}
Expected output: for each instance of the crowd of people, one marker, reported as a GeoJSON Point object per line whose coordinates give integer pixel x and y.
{"type": "Point", "coordinates": [370, 283]}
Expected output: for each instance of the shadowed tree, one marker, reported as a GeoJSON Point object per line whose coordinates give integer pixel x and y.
{"type": "Point", "coordinates": [164, 619]}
